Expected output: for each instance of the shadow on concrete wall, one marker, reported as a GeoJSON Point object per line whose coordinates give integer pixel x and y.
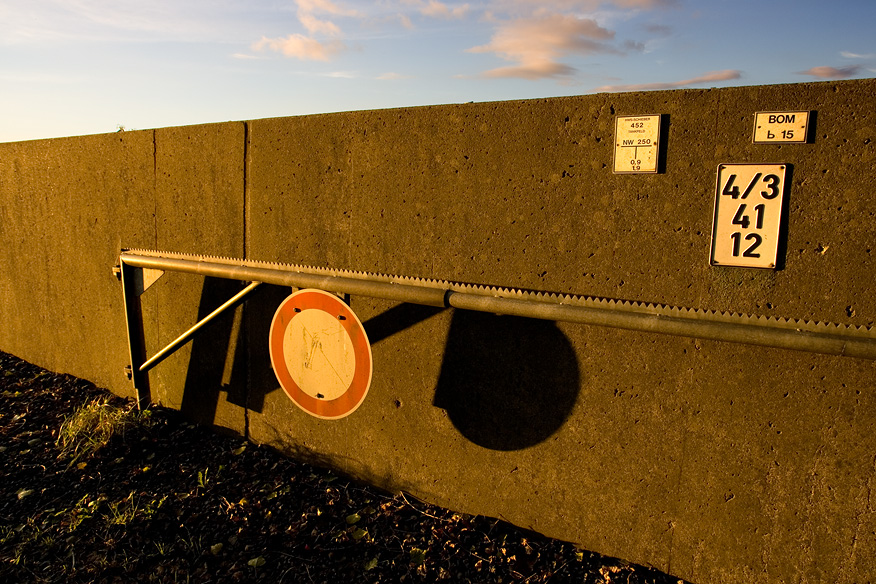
{"type": "Point", "coordinates": [397, 319]}
{"type": "Point", "coordinates": [218, 359]}
{"type": "Point", "coordinates": [262, 379]}
{"type": "Point", "coordinates": [782, 249]}
{"type": "Point", "coordinates": [378, 328]}
{"type": "Point", "coordinates": [507, 382]}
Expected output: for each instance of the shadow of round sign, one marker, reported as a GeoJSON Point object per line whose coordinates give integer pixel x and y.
{"type": "Point", "coordinates": [320, 354]}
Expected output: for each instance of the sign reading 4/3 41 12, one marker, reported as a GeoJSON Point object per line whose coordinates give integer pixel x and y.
{"type": "Point", "coordinates": [748, 215]}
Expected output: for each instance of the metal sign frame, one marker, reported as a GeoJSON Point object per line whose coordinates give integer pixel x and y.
{"type": "Point", "coordinates": [799, 335]}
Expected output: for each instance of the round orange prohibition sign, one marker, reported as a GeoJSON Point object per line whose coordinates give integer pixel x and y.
{"type": "Point", "coordinates": [320, 354]}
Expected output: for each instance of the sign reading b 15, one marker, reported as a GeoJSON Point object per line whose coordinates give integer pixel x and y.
{"type": "Point", "coordinates": [748, 215]}
{"type": "Point", "coordinates": [782, 127]}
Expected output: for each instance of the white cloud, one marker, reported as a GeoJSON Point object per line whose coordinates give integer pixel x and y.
{"type": "Point", "coordinates": [437, 9]}
{"type": "Point", "coordinates": [52, 21]}
{"type": "Point", "coordinates": [539, 36]}
{"type": "Point", "coordinates": [537, 44]}
{"type": "Point", "coordinates": [326, 6]}
{"type": "Point", "coordinates": [309, 48]}
{"type": "Point", "coordinates": [849, 55]}
{"type": "Point", "coordinates": [533, 70]}
{"type": "Point", "coordinates": [711, 77]}
{"type": "Point", "coordinates": [308, 9]}
{"type": "Point", "coordinates": [511, 6]}
{"type": "Point", "coordinates": [317, 26]}
{"type": "Point", "coordinates": [323, 29]}
{"type": "Point", "coordinates": [301, 47]}
{"type": "Point", "coordinates": [832, 72]}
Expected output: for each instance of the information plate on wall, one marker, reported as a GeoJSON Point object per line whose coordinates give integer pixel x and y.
{"type": "Point", "coordinates": [748, 215]}
{"type": "Point", "coordinates": [636, 140]}
{"type": "Point", "coordinates": [781, 127]}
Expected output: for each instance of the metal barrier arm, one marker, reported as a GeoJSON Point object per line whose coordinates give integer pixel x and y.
{"type": "Point", "coordinates": [817, 337]}
{"type": "Point", "coordinates": [132, 288]}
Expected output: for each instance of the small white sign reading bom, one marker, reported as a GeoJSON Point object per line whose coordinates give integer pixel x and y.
{"type": "Point", "coordinates": [748, 215]}
{"type": "Point", "coordinates": [781, 127]}
{"type": "Point", "coordinates": [636, 141]}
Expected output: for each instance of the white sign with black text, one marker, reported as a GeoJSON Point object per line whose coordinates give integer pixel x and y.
{"type": "Point", "coordinates": [748, 215]}
{"type": "Point", "coordinates": [636, 140]}
{"type": "Point", "coordinates": [781, 127]}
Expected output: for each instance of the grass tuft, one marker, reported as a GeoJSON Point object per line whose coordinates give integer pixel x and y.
{"type": "Point", "coordinates": [91, 427]}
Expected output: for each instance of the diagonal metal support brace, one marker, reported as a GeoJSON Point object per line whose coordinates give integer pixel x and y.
{"type": "Point", "coordinates": [132, 287]}
{"type": "Point", "coordinates": [189, 334]}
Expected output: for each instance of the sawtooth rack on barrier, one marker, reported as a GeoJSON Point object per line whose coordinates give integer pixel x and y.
{"type": "Point", "coordinates": [138, 269]}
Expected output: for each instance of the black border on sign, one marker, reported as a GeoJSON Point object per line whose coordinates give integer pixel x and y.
{"type": "Point", "coordinates": [807, 131]}
{"type": "Point", "coordinates": [781, 235]}
{"type": "Point", "coordinates": [658, 144]}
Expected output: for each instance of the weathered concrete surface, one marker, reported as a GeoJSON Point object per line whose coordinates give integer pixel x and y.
{"type": "Point", "coordinates": [199, 203]}
{"type": "Point", "coordinates": [716, 462]}
{"type": "Point", "coordinates": [66, 207]}
{"type": "Point", "coordinates": [713, 461]}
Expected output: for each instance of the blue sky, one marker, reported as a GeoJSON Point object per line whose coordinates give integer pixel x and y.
{"type": "Point", "coordinates": [70, 67]}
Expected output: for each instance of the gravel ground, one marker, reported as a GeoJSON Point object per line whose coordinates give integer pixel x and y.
{"type": "Point", "coordinates": [93, 491]}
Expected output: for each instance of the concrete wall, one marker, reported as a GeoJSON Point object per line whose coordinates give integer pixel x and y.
{"type": "Point", "coordinates": [715, 462]}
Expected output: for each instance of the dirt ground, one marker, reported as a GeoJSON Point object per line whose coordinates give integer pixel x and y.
{"type": "Point", "coordinates": [94, 491]}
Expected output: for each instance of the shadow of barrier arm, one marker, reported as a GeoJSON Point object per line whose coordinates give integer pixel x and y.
{"type": "Point", "coordinates": [798, 335]}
